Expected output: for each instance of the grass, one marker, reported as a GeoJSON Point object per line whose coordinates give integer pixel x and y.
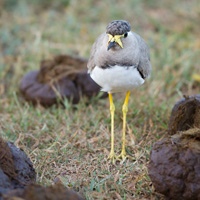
{"type": "Point", "coordinates": [72, 144]}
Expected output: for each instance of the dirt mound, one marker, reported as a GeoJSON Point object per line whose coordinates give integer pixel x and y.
{"type": "Point", "coordinates": [61, 77]}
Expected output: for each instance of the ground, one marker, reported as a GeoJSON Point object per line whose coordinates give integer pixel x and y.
{"type": "Point", "coordinates": [73, 143]}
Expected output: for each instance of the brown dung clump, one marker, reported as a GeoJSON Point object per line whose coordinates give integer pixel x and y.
{"type": "Point", "coordinates": [17, 178]}
{"type": "Point", "coordinates": [6, 160]}
{"type": "Point", "coordinates": [38, 192]}
{"type": "Point", "coordinates": [63, 76]}
{"type": "Point", "coordinates": [16, 169]}
{"type": "Point", "coordinates": [185, 114]}
{"type": "Point", "coordinates": [59, 67]}
{"type": "Point", "coordinates": [174, 166]}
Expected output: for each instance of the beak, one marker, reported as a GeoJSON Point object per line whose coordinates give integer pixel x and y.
{"type": "Point", "coordinates": [110, 45]}
{"type": "Point", "coordinates": [114, 39]}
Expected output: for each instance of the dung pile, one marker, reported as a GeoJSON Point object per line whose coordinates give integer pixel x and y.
{"type": "Point", "coordinates": [174, 166]}
{"type": "Point", "coordinates": [63, 76]}
{"type": "Point", "coordinates": [38, 192]}
{"type": "Point", "coordinates": [16, 169]}
{"type": "Point", "coordinates": [185, 114]}
{"type": "Point", "coordinates": [17, 178]}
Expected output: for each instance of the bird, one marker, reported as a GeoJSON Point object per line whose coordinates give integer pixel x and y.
{"type": "Point", "coordinates": [119, 62]}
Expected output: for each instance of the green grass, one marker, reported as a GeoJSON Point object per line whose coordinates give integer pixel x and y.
{"type": "Point", "coordinates": [73, 143]}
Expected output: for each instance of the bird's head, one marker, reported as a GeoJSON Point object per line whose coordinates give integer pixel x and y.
{"type": "Point", "coordinates": [116, 30]}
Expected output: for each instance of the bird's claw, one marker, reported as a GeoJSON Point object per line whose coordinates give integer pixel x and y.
{"type": "Point", "coordinates": [122, 157]}
{"type": "Point", "coordinates": [112, 156]}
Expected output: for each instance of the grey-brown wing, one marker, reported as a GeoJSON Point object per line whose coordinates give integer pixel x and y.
{"type": "Point", "coordinates": [144, 66]}
{"type": "Point", "coordinates": [91, 62]}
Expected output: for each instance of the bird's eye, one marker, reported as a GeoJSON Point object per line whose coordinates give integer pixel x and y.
{"type": "Point", "coordinates": [125, 35]}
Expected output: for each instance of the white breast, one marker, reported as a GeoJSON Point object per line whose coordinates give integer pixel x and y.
{"type": "Point", "coordinates": [117, 78]}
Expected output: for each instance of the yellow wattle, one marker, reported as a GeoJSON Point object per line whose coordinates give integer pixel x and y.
{"type": "Point", "coordinates": [115, 38]}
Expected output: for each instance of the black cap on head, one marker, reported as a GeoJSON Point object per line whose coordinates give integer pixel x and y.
{"type": "Point", "coordinates": [118, 27]}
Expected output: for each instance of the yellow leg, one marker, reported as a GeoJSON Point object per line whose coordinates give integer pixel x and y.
{"type": "Point", "coordinates": [112, 111]}
{"type": "Point", "coordinates": [124, 110]}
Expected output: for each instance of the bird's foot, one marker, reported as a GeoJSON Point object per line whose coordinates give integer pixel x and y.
{"type": "Point", "coordinates": [122, 157]}
{"type": "Point", "coordinates": [112, 156]}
